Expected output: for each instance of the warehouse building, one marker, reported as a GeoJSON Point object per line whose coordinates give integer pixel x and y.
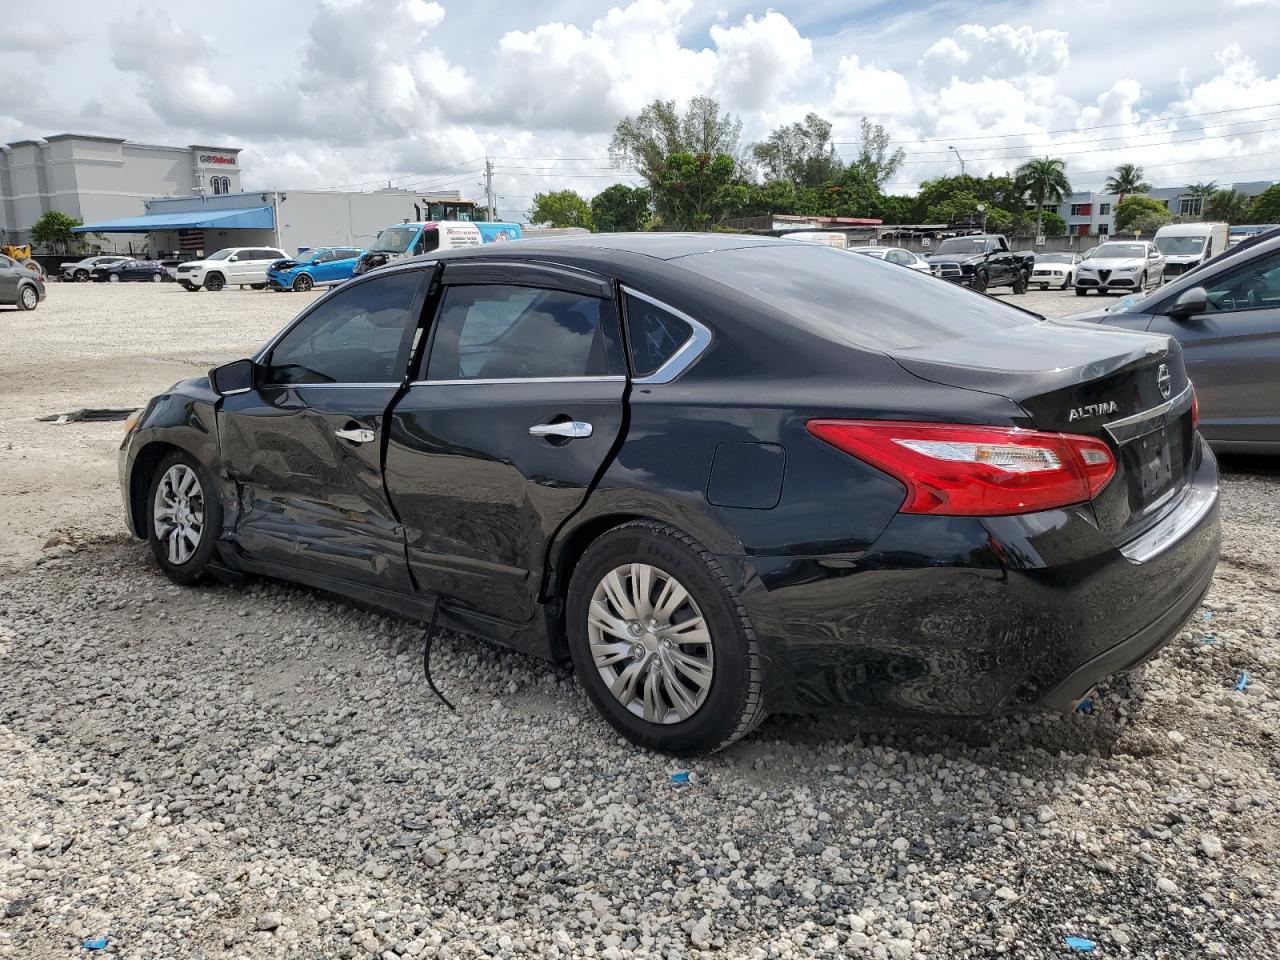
{"type": "Point", "coordinates": [292, 220]}
{"type": "Point", "coordinates": [101, 178]}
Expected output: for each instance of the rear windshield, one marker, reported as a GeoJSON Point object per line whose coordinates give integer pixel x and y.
{"type": "Point", "coordinates": [855, 300]}
{"type": "Point", "coordinates": [962, 245]}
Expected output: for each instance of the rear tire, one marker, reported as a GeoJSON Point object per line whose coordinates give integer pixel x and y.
{"type": "Point", "coordinates": [302, 283]}
{"type": "Point", "coordinates": [184, 516]}
{"type": "Point", "coordinates": [113, 278]}
{"type": "Point", "coordinates": [703, 687]}
{"type": "Point", "coordinates": [215, 281]}
{"type": "Point", "coordinates": [257, 286]}
{"type": "Point", "coordinates": [28, 299]}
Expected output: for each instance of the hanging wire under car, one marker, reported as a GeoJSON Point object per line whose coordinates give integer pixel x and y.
{"type": "Point", "coordinates": [426, 655]}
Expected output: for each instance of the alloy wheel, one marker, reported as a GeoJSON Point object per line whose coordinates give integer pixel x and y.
{"type": "Point", "coordinates": [650, 643]}
{"type": "Point", "coordinates": [178, 512]}
{"type": "Point", "coordinates": [113, 278]}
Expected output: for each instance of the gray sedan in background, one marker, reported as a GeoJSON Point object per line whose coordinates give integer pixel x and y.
{"type": "Point", "coordinates": [1226, 315]}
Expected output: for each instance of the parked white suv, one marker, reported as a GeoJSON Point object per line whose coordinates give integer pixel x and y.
{"type": "Point", "coordinates": [232, 266]}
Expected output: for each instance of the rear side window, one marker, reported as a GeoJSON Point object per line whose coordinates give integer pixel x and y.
{"type": "Point", "coordinates": [501, 332]}
{"type": "Point", "coordinates": [655, 335]}
{"type": "Point", "coordinates": [355, 336]}
{"type": "Point", "coordinates": [851, 301]}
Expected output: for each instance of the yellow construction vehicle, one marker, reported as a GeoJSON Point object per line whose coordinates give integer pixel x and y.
{"type": "Point", "coordinates": [22, 253]}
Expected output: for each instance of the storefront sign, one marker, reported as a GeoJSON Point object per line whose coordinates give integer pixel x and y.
{"type": "Point", "coordinates": [214, 158]}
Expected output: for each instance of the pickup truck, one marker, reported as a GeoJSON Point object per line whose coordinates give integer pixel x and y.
{"type": "Point", "coordinates": [981, 261]}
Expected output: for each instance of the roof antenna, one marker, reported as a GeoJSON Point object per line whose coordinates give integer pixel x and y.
{"type": "Point", "coordinates": [426, 654]}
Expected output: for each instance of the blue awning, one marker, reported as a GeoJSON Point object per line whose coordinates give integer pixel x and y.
{"type": "Point", "coordinates": [236, 218]}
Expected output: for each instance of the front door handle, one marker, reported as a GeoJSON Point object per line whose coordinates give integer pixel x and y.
{"type": "Point", "coordinates": [569, 429]}
{"type": "Point", "coordinates": [356, 435]}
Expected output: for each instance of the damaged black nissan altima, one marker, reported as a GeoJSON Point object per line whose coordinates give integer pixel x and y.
{"type": "Point", "coordinates": [723, 475]}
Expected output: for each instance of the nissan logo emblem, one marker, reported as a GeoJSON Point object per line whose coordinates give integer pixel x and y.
{"type": "Point", "coordinates": [1164, 381]}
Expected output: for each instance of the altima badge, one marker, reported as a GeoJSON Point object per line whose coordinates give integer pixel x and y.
{"type": "Point", "coordinates": [1164, 381]}
{"type": "Point", "coordinates": [1091, 410]}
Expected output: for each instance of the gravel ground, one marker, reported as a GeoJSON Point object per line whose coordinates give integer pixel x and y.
{"type": "Point", "coordinates": [261, 771]}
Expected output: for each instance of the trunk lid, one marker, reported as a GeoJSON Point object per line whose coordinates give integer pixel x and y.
{"type": "Point", "coordinates": [1094, 381]}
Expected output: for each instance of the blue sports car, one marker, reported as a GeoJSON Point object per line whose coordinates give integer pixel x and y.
{"type": "Point", "coordinates": [324, 265]}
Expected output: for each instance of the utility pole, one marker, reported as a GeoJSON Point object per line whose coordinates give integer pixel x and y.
{"type": "Point", "coordinates": [488, 190]}
{"type": "Point", "coordinates": [958, 157]}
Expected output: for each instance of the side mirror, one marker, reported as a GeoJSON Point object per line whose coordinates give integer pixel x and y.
{"type": "Point", "coordinates": [234, 377]}
{"type": "Point", "coordinates": [1190, 303]}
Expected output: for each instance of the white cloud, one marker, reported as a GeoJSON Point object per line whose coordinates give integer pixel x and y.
{"type": "Point", "coordinates": [974, 52]}
{"type": "Point", "coordinates": [758, 59]}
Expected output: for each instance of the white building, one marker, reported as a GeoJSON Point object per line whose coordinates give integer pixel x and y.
{"type": "Point", "coordinates": [100, 178]}
{"type": "Point", "coordinates": [1093, 214]}
{"type": "Point", "coordinates": [292, 220]}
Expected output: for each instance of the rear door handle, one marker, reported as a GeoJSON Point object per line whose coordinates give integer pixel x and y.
{"type": "Point", "coordinates": [570, 429]}
{"type": "Point", "coordinates": [356, 435]}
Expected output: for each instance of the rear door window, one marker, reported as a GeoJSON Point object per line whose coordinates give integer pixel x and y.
{"type": "Point", "coordinates": [506, 332]}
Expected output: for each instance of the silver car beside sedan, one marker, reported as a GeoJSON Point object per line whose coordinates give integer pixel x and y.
{"type": "Point", "coordinates": [1123, 266]}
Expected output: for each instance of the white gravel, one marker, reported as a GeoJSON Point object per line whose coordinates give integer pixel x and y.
{"type": "Point", "coordinates": [262, 772]}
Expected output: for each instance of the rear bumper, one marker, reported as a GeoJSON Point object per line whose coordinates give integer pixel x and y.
{"type": "Point", "coordinates": [968, 617]}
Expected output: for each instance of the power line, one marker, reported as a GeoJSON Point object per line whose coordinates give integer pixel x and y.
{"type": "Point", "coordinates": [1100, 126]}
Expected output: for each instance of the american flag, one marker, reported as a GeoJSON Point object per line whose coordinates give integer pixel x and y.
{"type": "Point", "coordinates": [190, 241]}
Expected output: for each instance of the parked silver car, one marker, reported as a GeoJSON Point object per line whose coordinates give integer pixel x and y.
{"type": "Point", "coordinates": [1123, 265]}
{"type": "Point", "coordinates": [1226, 315]}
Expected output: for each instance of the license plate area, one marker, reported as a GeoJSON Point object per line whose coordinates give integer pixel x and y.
{"type": "Point", "coordinates": [1153, 462]}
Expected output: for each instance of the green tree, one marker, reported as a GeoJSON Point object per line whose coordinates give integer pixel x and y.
{"type": "Point", "coordinates": [697, 191]}
{"type": "Point", "coordinates": [1231, 206]}
{"type": "Point", "coordinates": [1052, 225]}
{"type": "Point", "coordinates": [620, 208]}
{"type": "Point", "coordinates": [800, 153]}
{"type": "Point", "coordinates": [560, 208]}
{"type": "Point", "coordinates": [646, 140]}
{"type": "Point", "coordinates": [876, 161]}
{"type": "Point", "coordinates": [958, 208]}
{"type": "Point", "coordinates": [1266, 206]}
{"type": "Point", "coordinates": [1126, 180]}
{"type": "Point", "coordinates": [1043, 180]}
{"type": "Point", "coordinates": [53, 229]}
{"type": "Point", "coordinates": [999, 221]}
{"type": "Point", "coordinates": [1139, 213]}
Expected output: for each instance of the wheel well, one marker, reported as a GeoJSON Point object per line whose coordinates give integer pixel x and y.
{"type": "Point", "coordinates": [144, 468]}
{"type": "Point", "coordinates": [575, 545]}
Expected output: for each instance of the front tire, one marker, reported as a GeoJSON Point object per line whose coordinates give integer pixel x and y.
{"type": "Point", "coordinates": [302, 283]}
{"type": "Point", "coordinates": [1067, 285]}
{"type": "Point", "coordinates": [980, 281]}
{"type": "Point", "coordinates": [1020, 282]}
{"type": "Point", "coordinates": [661, 643]}
{"type": "Point", "coordinates": [215, 281]}
{"type": "Point", "coordinates": [156, 278]}
{"type": "Point", "coordinates": [1081, 292]}
{"type": "Point", "coordinates": [184, 516]}
{"type": "Point", "coordinates": [28, 299]}
{"type": "Point", "coordinates": [81, 276]}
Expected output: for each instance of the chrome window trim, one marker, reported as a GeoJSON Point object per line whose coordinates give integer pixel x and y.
{"type": "Point", "coordinates": [613, 378]}
{"type": "Point", "coordinates": [365, 384]}
{"type": "Point", "coordinates": [1122, 431]}
{"type": "Point", "coordinates": [686, 354]}
{"type": "Point", "coordinates": [1198, 502]}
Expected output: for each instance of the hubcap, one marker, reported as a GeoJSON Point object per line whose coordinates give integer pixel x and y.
{"type": "Point", "coordinates": [28, 298]}
{"type": "Point", "coordinates": [179, 512]}
{"type": "Point", "coordinates": [650, 643]}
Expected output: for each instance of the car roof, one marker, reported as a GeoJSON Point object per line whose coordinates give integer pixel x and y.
{"type": "Point", "coordinates": [660, 246]}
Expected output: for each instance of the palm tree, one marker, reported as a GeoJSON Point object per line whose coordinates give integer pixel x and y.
{"type": "Point", "coordinates": [1202, 192]}
{"type": "Point", "coordinates": [1043, 180]}
{"type": "Point", "coordinates": [1127, 180]}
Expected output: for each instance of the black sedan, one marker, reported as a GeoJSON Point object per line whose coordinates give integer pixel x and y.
{"type": "Point", "coordinates": [723, 475]}
{"type": "Point", "coordinates": [131, 271]}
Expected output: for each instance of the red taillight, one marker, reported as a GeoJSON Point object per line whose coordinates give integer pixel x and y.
{"type": "Point", "coordinates": [976, 471]}
{"type": "Point", "coordinates": [1195, 410]}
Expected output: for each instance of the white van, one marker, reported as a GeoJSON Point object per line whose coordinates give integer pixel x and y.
{"type": "Point", "coordinates": [827, 238]}
{"type": "Point", "coordinates": [1187, 245]}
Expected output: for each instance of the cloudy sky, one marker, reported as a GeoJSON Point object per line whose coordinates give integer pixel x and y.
{"type": "Point", "coordinates": [352, 93]}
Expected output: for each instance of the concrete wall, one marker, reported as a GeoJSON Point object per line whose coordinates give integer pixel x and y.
{"type": "Point", "coordinates": [315, 219]}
